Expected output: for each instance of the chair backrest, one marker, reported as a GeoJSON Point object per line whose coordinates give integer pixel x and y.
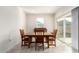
{"type": "Point", "coordinates": [55, 33]}
{"type": "Point", "coordinates": [40, 31]}
{"type": "Point", "coordinates": [22, 33]}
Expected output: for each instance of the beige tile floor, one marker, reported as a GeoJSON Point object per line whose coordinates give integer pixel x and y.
{"type": "Point", "coordinates": [67, 41]}
{"type": "Point", "coordinates": [60, 48]}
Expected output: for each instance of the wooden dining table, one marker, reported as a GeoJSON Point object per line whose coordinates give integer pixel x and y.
{"type": "Point", "coordinates": [46, 36]}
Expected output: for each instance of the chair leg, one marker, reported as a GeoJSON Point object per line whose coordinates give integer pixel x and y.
{"type": "Point", "coordinates": [35, 46]}
{"type": "Point", "coordinates": [22, 43]}
{"type": "Point", "coordinates": [43, 46]}
{"type": "Point", "coordinates": [55, 43]}
{"type": "Point", "coordinates": [28, 45]}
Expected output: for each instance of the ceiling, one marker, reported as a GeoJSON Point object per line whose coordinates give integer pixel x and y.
{"type": "Point", "coordinates": [40, 9]}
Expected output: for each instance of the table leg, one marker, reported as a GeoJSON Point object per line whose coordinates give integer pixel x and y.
{"type": "Point", "coordinates": [30, 38]}
{"type": "Point", "coordinates": [47, 41]}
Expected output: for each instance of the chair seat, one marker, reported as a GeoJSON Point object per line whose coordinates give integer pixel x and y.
{"type": "Point", "coordinates": [39, 42]}
{"type": "Point", "coordinates": [25, 39]}
{"type": "Point", "coordinates": [52, 39]}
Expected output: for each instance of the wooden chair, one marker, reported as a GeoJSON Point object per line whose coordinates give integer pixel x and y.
{"type": "Point", "coordinates": [24, 39]}
{"type": "Point", "coordinates": [39, 42]}
{"type": "Point", "coordinates": [40, 38]}
{"type": "Point", "coordinates": [40, 31]}
{"type": "Point", "coordinates": [52, 40]}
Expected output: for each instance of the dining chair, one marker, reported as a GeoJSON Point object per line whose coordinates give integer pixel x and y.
{"type": "Point", "coordinates": [39, 39]}
{"type": "Point", "coordinates": [24, 40]}
{"type": "Point", "coordinates": [52, 40]}
{"type": "Point", "coordinates": [40, 31]}
{"type": "Point", "coordinates": [39, 42]}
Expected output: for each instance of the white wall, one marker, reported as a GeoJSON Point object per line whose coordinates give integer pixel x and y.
{"type": "Point", "coordinates": [75, 18]}
{"type": "Point", "coordinates": [63, 11]}
{"type": "Point", "coordinates": [9, 28]}
{"type": "Point", "coordinates": [31, 21]}
{"type": "Point", "coordinates": [22, 19]}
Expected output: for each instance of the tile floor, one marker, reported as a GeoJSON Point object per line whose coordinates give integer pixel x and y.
{"type": "Point", "coordinates": [60, 48]}
{"type": "Point", "coordinates": [67, 41]}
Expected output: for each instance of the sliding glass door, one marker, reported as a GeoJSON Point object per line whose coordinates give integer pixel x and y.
{"type": "Point", "coordinates": [68, 32]}
{"type": "Point", "coordinates": [64, 29]}
{"type": "Point", "coordinates": [60, 28]}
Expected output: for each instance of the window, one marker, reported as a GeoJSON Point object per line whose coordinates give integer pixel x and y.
{"type": "Point", "coordinates": [40, 22]}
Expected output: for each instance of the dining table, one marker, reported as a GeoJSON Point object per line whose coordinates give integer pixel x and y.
{"type": "Point", "coordinates": [46, 36]}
